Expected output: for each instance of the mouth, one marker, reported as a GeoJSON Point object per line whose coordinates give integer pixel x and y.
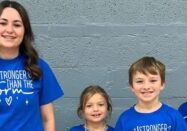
{"type": "Point", "coordinates": [8, 37]}
{"type": "Point", "coordinates": [96, 115]}
{"type": "Point", "coordinates": [147, 93]}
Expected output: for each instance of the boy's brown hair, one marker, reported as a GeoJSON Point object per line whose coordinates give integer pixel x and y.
{"type": "Point", "coordinates": [147, 65]}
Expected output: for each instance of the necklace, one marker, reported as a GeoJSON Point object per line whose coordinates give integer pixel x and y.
{"type": "Point", "coordinates": [87, 129]}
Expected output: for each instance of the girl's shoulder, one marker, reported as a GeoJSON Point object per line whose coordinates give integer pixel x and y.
{"type": "Point", "coordinates": [77, 128]}
{"type": "Point", "coordinates": [42, 61]}
{"type": "Point", "coordinates": [43, 64]}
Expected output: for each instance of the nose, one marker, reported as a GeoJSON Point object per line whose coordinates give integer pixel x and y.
{"type": "Point", "coordinates": [95, 108]}
{"type": "Point", "coordinates": [9, 28]}
{"type": "Point", "coordinates": [146, 86]}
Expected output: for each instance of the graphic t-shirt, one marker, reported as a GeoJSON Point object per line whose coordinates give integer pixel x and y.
{"type": "Point", "coordinates": [21, 97]}
{"type": "Point", "coordinates": [183, 110]}
{"type": "Point", "coordinates": [164, 119]}
{"type": "Point", "coordinates": [82, 128]}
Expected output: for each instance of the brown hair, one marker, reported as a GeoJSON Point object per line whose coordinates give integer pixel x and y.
{"type": "Point", "coordinates": [147, 65]}
{"type": "Point", "coordinates": [87, 93]}
{"type": "Point", "coordinates": [26, 46]}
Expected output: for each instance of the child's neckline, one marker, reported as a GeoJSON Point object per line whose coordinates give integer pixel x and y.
{"type": "Point", "coordinates": [87, 129]}
{"type": "Point", "coordinates": [146, 111]}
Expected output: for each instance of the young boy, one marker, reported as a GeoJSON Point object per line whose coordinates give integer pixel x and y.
{"type": "Point", "coordinates": [183, 110]}
{"type": "Point", "coordinates": [147, 80]}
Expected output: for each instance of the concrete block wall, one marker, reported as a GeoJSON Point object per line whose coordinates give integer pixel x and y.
{"type": "Point", "coordinates": [94, 42]}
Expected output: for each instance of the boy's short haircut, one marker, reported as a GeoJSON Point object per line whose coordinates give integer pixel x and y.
{"type": "Point", "coordinates": [147, 65]}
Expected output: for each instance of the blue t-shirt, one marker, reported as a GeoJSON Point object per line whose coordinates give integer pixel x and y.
{"type": "Point", "coordinates": [82, 128]}
{"type": "Point", "coordinates": [21, 97]}
{"type": "Point", "coordinates": [164, 119]}
{"type": "Point", "coordinates": [183, 110]}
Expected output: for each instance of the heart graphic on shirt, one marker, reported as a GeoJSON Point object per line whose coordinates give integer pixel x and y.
{"type": "Point", "coordinates": [8, 100]}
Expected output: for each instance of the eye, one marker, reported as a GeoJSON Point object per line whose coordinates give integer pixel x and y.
{"type": "Point", "coordinates": [153, 81]}
{"type": "Point", "coordinates": [139, 81]}
{"type": "Point", "coordinates": [17, 25]}
{"type": "Point", "coordinates": [101, 104]}
{"type": "Point", "coordinates": [88, 106]}
{"type": "Point", "coordinates": [3, 23]}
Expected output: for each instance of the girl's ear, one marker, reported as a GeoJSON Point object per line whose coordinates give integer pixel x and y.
{"type": "Point", "coordinates": [130, 85]}
{"type": "Point", "coordinates": [82, 114]}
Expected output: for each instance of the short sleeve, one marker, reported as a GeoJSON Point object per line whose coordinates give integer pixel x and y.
{"type": "Point", "coordinates": [50, 88]}
{"type": "Point", "coordinates": [180, 123]}
{"type": "Point", "coordinates": [183, 110]}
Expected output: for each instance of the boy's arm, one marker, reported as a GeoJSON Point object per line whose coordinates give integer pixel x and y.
{"type": "Point", "coordinates": [119, 125]}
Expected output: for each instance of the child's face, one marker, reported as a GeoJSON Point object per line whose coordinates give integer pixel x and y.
{"type": "Point", "coordinates": [95, 109]}
{"type": "Point", "coordinates": [147, 87]}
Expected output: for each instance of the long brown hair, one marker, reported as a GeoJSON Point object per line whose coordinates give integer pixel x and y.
{"type": "Point", "coordinates": [26, 46]}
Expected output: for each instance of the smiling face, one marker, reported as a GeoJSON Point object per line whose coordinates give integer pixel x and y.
{"type": "Point", "coordinates": [147, 87]}
{"type": "Point", "coordinates": [11, 31]}
{"type": "Point", "coordinates": [95, 110]}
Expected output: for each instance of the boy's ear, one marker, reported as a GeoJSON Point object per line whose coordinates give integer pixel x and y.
{"type": "Point", "coordinates": [162, 86]}
{"type": "Point", "coordinates": [131, 88]}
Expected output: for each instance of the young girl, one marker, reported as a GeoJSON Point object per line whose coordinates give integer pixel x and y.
{"type": "Point", "coordinates": [95, 106]}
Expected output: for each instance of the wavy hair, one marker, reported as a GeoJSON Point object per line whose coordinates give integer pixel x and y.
{"type": "Point", "coordinates": [26, 46]}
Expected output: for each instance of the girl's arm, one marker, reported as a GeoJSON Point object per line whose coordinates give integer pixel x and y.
{"type": "Point", "coordinates": [48, 117]}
